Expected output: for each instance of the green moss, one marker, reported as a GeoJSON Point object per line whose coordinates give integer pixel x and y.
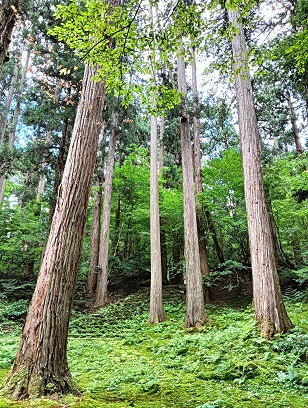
{"type": "Point", "coordinates": [119, 360]}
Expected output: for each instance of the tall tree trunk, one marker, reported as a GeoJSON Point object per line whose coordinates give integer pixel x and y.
{"type": "Point", "coordinates": [96, 222]}
{"type": "Point", "coordinates": [295, 129]}
{"type": "Point", "coordinates": [40, 366]}
{"type": "Point", "coordinates": [270, 313]}
{"type": "Point", "coordinates": [42, 181]}
{"type": "Point", "coordinates": [19, 99]}
{"type": "Point", "coordinates": [204, 266]}
{"type": "Point", "coordinates": [101, 298]}
{"type": "Point", "coordinates": [4, 121]}
{"type": "Point", "coordinates": [5, 114]}
{"type": "Point", "coordinates": [161, 143]}
{"type": "Point", "coordinates": [157, 313]}
{"type": "Point", "coordinates": [8, 16]}
{"type": "Point", "coordinates": [195, 313]}
{"type": "Point", "coordinates": [60, 163]}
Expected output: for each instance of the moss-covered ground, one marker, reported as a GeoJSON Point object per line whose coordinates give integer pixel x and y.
{"type": "Point", "coordinates": [121, 361]}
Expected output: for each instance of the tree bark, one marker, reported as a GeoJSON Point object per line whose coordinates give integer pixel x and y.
{"type": "Point", "coordinates": [41, 366]}
{"type": "Point", "coordinates": [96, 222]}
{"type": "Point", "coordinates": [101, 298]}
{"type": "Point", "coordinates": [5, 115]}
{"type": "Point", "coordinates": [157, 313]}
{"type": "Point", "coordinates": [195, 313]}
{"type": "Point", "coordinates": [295, 129]}
{"type": "Point", "coordinates": [8, 18]}
{"type": "Point", "coordinates": [42, 181]}
{"type": "Point", "coordinates": [204, 266]}
{"type": "Point", "coordinates": [270, 313]}
{"type": "Point", "coordinates": [4, 121]}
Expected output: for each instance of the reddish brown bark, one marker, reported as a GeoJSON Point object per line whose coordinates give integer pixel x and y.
{"type": "Point", "coordinates": [40, 366]}
{"type": "Point", "coordinates": [270, 313]}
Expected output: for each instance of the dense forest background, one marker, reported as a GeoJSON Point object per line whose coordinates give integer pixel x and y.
{"type": "Point", "coordinates": [142, 59]}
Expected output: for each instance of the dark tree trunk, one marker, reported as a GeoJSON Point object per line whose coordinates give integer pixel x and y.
{"type": "Point", "coordinates": [270, 313]}
{"type": "Point", "coordinates": [8, 16]}
{"type": "Point", "coordinates": [295, 130]}
{"type": "Point", "coordinates": [41, 367]}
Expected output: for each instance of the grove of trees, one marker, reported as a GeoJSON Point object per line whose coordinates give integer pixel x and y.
{"type": "Point", "coordinates": [121, 168]}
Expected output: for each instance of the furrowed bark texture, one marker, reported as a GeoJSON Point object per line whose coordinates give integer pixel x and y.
{"type": "Point", "coordinates": [157, 313]}
{"type": "Point", "coordinates": [102, 276]}
{"type": "Point", "coordinates": [40, 366]}
{"type": "Point", "coordinates": [7, 21]}
{"type": "Point", "coordinates": [270, 313]}
{"type": "Point", "coordinates": [195, 314]}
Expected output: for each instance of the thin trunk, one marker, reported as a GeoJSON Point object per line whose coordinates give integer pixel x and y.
{"type": "Point", "coordinates": [101, 298]}
{"type": "Point", "coordinates": [94, 246]}
{"type": "Point", "coordinates": [161, 143]}
{"type": "Point", "coordinates": [195, 314]}
{"type": "Point", "coordinates": [41, 366]}
{"type": "Point", "coordinates": [42, 181]}
{"type": "Point", "coordinates": [157, 313]}
{"type": "Point", "coordinates": [19, 99]}
{"type": "Point", "coordinates": [204, 266]}
{"type": "Point", "coordinates": [270, 313]}
{"type": "Point", "coordinates": [213, 232]}
{"type": "Point", "coordinates": [4, 121]}
{"type": "Point", "coordinates": [295, 129]}
{"type": "Point", "coordinates": [96, 222]}
{"type": "Point", "coordinates": [60, 164]}
{"type": "Point", "coordinates": [5, 114]}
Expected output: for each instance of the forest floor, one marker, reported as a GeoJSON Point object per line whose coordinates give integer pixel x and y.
{"type": "Point", "coordinates": [121, 361]}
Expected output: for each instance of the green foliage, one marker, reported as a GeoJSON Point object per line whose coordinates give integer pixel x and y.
{"type": "Point", "coordinates": [118, 359]}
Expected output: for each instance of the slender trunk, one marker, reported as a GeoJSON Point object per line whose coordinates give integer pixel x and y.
{"type": "Point", "coordinates": [270, 313]}
{"type": "Point", "coordinates": [157, 313]}
{"type": "Point", "coordinates": [101, 298]}
{"type": "Point", "coordinates": [19, 99]}
{"type": "Point", "coordinates": [161, 143]}
{"type": "Point", "coordinates": [204, 266]}
{"type": "Point", "coordinates": [295, 129]}
{"type": "Point", "coordinates": [5, 115]}
{"type": "Point", "coordinates": [42, 181]}
{"type": "Point", "coordinates": [4, 121]}
{"type": "Point", "coordinates": [217, 245]}
{"type": "Point", "coordinates": [8, 17]}
{"type": "Point", "coordinates": [94, 246]}
{"type": "Point", "coordinates": [41, 366]}
{"type": "Point", "coordinates": [96, 222]}
{"type": "Point", "coordinates": [60, 164]}
{"type": "Point", "coordinates": [195, 313]}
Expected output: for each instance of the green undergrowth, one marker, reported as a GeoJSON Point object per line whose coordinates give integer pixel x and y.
{"type": "Point", "coordinates": [121, 361]}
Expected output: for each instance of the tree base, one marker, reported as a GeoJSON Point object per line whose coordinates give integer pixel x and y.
{"type": "Point", "coordinates": [21, 385]}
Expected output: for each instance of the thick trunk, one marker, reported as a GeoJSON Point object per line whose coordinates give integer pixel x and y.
{"type": "Point", "coordinates": [101, 298]}
{"type": "Point", "coordinates": [157, 313]}
{"type": "Point", "coordinates": [8, 17]}
{"type": "Point", "coordinates": [40, 366]}
{"type": "Point", "coordinates": [295, 129]}
{"type": "Point", "coordinates": [204, 266]}
{"type": "Point", "coordinates": [195, 313]}
{"type": "Point", "coordinates": [270, 313]}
